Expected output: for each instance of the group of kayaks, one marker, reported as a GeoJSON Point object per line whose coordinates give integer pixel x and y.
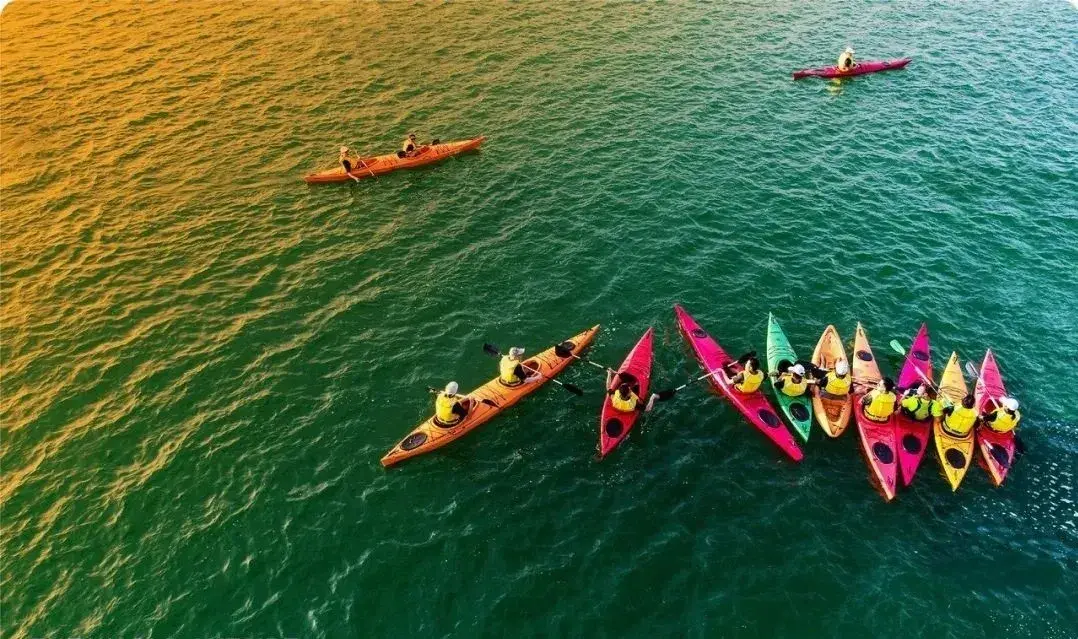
{"type": "Point", "coordinates": [893, 449]}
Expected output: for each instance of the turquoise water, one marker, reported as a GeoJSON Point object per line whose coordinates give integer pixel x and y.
{"type": "Point", "coordinates": [204, 359]}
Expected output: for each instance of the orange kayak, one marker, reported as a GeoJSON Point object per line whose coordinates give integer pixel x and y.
{"type": "Point", "coordinates": [432, 434]}
{"type": "Point", "coordinates": [833, 413]}
{"type": "Point", "coordinates": [379, 164]}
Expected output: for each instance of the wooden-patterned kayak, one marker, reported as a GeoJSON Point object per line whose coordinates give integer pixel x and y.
{"type": "Point", "coordinates": [380, 164]}
{"type": "Point", "coordinates": [832, 413]}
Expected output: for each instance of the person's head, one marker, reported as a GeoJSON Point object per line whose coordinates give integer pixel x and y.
{"type": "Point", "coordinates": [451, 388]}
{"type": "Point", "coordinates": [842, 367]}
{"type": "Point", "coordinates": [344, 150]}
{"type": "Point", "coordinates": [968, 400]}
{"type": "Point", "coordinates": [516, 352]}
{"type": "Point", "coordinates": [797, 370]}
{"type": "Point", "coordinates": [887, 384]}
{"type": "Point", "coordinates": [922, 390]}
{"type": "Point", "coordinates": [1009, 403]}
{"type": "Point", "coordinates": [623, 390]}
{"type": "Point", "coordinates": [849, 50]}
{"type": "Point", "coordinates": [752, 364]}
{"type": "Point", "coordinates": [411, 136]}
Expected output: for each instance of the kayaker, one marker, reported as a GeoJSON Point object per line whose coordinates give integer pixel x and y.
{"type": "Point", "coordinates": [845, 60]}
{"type": "Point", "coordinates": [919, 406]}
{"type": "Point", "coordinates": [835, 383]}
{"type": "Point", "coordinates": [959, 420]}
{"type": "Point", "coordinates": [344, 160]}
{"type": "Point", "coordinates": [409, 145]}
{"type": "Point", "coordinates": [792, 382]}
{"type": "Point", "coordinates": [624, 399]}
{"type": "Point", "coordinates": [879, 404]}
{"type": "Point", "coordinates": [750, 377]}
{"type": "Point", "coordinates": [450, 408]}
{"type": "Point", "coordinates": [1005, 417]}
{"type": "Point", "coordinates": [510, 370]}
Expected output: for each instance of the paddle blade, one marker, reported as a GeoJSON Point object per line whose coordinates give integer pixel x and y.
{"type": "Point", "coordinates": [563, 350]}
{"type": "Point", "coordinates": [492, 350]}
{"type": "Point", "coordinates": [573, 389]}
{"type": "Point", "coordinates": [971, 370]}
{"type": "Point", "coordinates": [896, 347]}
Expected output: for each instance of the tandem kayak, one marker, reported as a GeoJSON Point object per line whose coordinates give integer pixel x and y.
{"type": "Point", "coordinates": [754, 406]}
{"type": "Point", "coordinates": [910, 434]}
{"type": "Point", "coordinates": [797, 409]}
{"type": "Point", "coordinates": [614, 424]}
{"type": "Point", "coordinates": [433, 434]}
{"type": "Point", "coordinates": [997, 449]}
{"type": "Point", "coordinates": [877, 438]}
{"type": "Point", "coordinates": [832, 412]}
{"type": "Point", "coordinates": [379, 164]}
{"type": "Point", "coordinates": [955, 453]}
{"type": "Point", "coordinates": [861, 68]}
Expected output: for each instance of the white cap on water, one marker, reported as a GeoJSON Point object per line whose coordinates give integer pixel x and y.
{"type": "Point", "coordinates": [1009, 403]}
{"type": "Point", "coordinates": [451, 388]}
{"type": "Point", "coordinates": [842, 367]}
{"type": "Point", "coordinates": [797, 369]}
{"type": "Point", "coordinates": [516, 351]}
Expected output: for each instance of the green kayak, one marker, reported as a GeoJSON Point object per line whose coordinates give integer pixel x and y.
{"type": "Point", "coordinates": [797, 409]}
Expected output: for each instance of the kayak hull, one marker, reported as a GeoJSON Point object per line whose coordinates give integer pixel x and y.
{"type": "Point", "coordinates": [382, 164]}
{"type": "Point", "coordinates": [861, 68]}
{"type": "Point", "coordinates": [431, 434]}
{"type": "Point", "coordinates": [832, 413]}
{"type": "Point", "coordinates": [955, 453]}
{"type": "Point", "coordinates": [798, 410]}
{"type": "Point", "coordinates": [877, 438]}
{"type": "Point", "coordinates": [997, 449]}
{"type": "Point", "coordinates": [911, 436]}
{"type": "Point", "coordinates": [614, 425]}
{"type": "Point", "coordinates": [754, 406]}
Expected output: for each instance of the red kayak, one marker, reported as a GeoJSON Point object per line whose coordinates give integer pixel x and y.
{"type": "Point", "coordinates": [877, 438]}
{"type": "Point", "coordinates": [753, 406]}
{"type": "Point", "coordinates": [861, 68]}
{"type": "Point", "coordinates": [997, 449]}
{"type": "Point", "coordinates": [614, 425]}
{"type": "Point", "coordinates": [910, 434]}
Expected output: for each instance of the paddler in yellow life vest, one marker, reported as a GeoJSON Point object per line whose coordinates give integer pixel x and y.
{"type": "Point", "coordinates": [791, 381]}
{"type": "Point", "coordinates": [624, 398]}
{"type": "Point", "coordinates": [510, 370]}
{"type": "Point", "coordinates": [1005, 417]}
{"type": "Point", "coordinates": [450, 408]}
{"type": "Point", "coordinates": [845, 60]}
{"type": "Point", "coordinates": [750, 377]}
{"type": "Point", "coordinates": [834, 383]}
{"type": "Point", "coordinates": [879, 404]}
{"type": "Point", "coordinates": [408, 147]}
{"type": "Point", "coordinates": [918, 406]}
{"type": "Point", "coordinates": [960, 420]}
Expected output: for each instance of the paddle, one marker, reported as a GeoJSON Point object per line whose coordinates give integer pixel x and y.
{"type": "Point", "coordinates": [493, 351]}
{"type": "Point", "coordinates": [664, 395]}
{"type": "Point", "coordinates": [896, 347]}
{"type": "Point", "coordinates": [488, 402]}
{"type": "Point", "coordinates": [972, 371]}
{"type": "Point", "coordinates": [563, 351]}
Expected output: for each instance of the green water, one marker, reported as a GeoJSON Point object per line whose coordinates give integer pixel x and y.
{"type": "Point", "coordinates": [204, 359]}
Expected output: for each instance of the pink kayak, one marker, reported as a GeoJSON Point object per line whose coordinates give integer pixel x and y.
{"type": "Point", "coordinates": [614, 425]}
{"type": "Point", "coordinates": [910, 434]}
{"type": "Point", "coordinates": [997, 449]}
{"type": "Point", "coordinates": [753, 406]}
{"type": "Point", "coordinates": [861, 68]}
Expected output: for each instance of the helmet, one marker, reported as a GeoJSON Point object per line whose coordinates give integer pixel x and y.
{"type": "Point", "coordinates": [344, 149]}
{"type": "Point", "coordinates": [516, 352]}
{"type": "Point", "coordinates": [842, 367]}
{"type": "Point", "coordinates": [1009, 403]}
{"type": "Point", "coordinates": [797, 369]}
{"type": "Point", "coordinates": [451, 388]}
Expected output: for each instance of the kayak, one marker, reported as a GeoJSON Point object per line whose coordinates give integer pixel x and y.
{"type": "Point", "coordinates": [997, 449]}
{"type": "Point", "coordinates": [380, 164]}
{"type": "Point", "coordinates": [832, 412]}
{"type": "Point", "coordinates": [754, 406]}
{"type": "Point", "coordinates": [861, 68]}
{"type": "Point", "coordinates": [797, 409]}
{"type": "Point", "coordinates": [912, 435]}
{"type": "Point", "coordinates": [432, 434]}
{"type": "Point", "coordinates": [614, 425]}
{"type": "Point", "coordinates": [877, 439]}
{"type": "Point", "coordinates": [955, 453]}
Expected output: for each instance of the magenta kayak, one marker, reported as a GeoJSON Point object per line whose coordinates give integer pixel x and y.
{"type": "Point", "coordinates": [997, 449]}
{"type": "Point", "coordinates": [861, 68]}
{"type": "Point", "coordinates": [754, 406]}
{"type": "Point", "coordinates": [910, 434]}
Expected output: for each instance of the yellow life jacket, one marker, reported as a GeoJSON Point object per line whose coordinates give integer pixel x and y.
{"type": "Point", "coordinates": [838, 386]}
{"type": "Point", "coordinates": [507, 371]}
{"type": "Point", "coordinates": [408, 146]}
{"type": "Point", "coordinates": [624, 405]}
{"type": "Point", "coordinates": [443, 409]}
{"type": "Point", "coordinates": [842, 58]}
{"type": "Point", "coordinates": [960, 421]}
{"type": "Point", "coordinates": [750, 382]}
{"type": "Point", "coordinates": [1004, 421]}
{"type": "Point", "coordinates": [921, 407]}
{"type": "Point", "coordinates": [880, 406]}
{"type": "Point", "coordinates": [792, 389]}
